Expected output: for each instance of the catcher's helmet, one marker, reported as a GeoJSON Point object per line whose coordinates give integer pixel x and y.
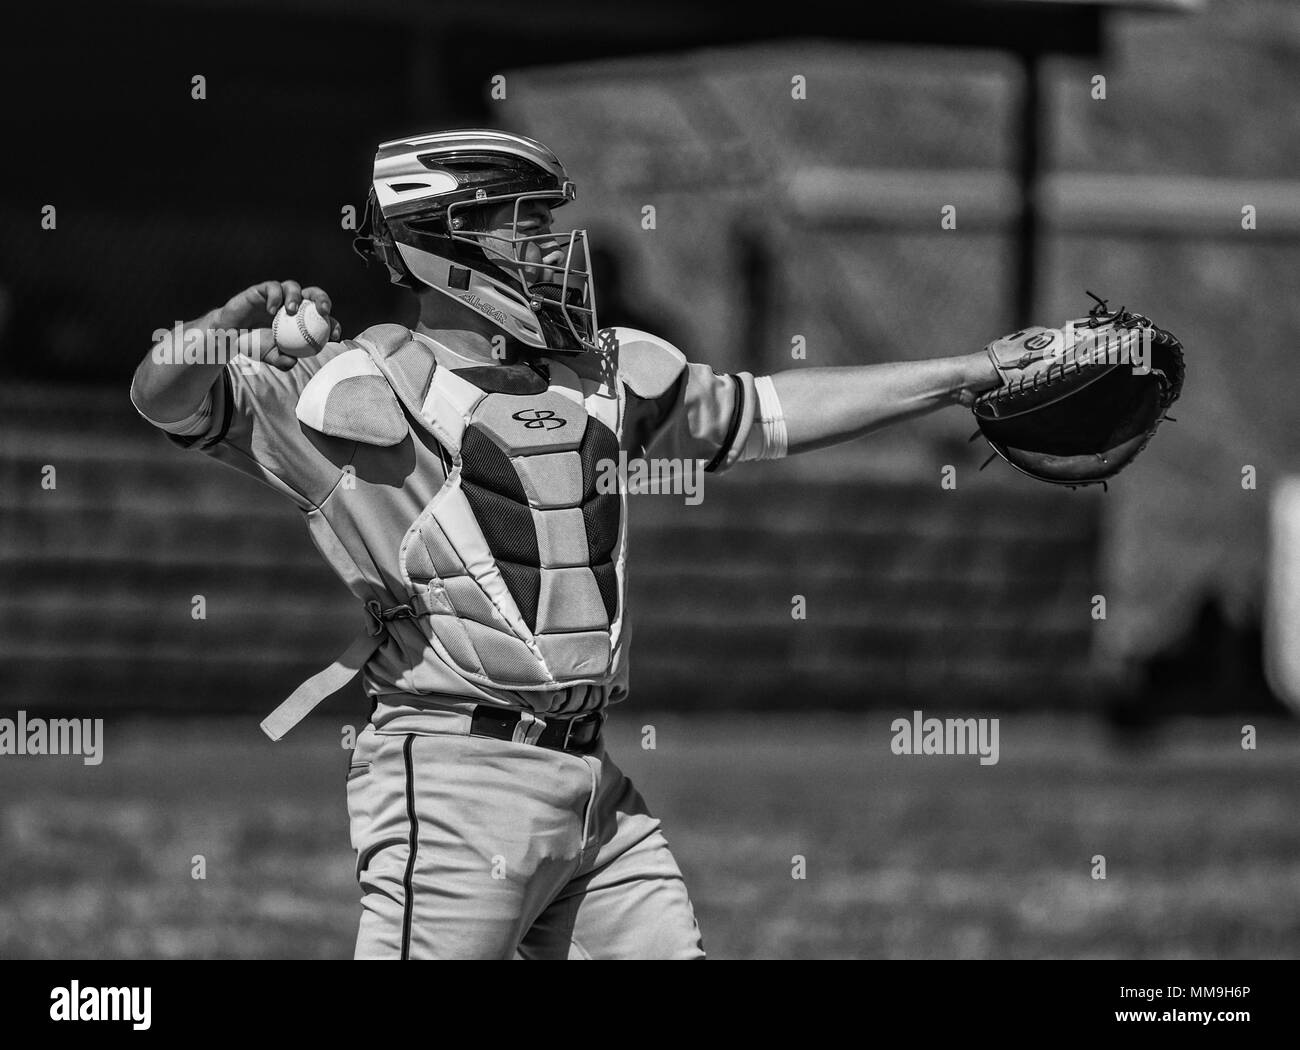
{"type": "Point", "coordinates": [421, 223]}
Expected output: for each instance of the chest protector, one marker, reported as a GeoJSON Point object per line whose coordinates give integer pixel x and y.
{"type": "Point", "coordinates": [515, 568]}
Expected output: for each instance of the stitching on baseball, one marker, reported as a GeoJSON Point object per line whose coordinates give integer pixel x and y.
{"type": "Point", "coordinates": [302, 328]}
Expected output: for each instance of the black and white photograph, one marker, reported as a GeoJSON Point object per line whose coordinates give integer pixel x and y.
{"type": "Point", "coordinates": [657, 481]}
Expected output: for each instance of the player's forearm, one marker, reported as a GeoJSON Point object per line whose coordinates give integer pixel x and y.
{"type": "Point", "coordinates": [824, 406]}
{"type": "Point", "coordinates": [166, 388]}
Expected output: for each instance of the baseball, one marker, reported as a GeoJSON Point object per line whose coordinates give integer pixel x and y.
{"type": "Point", "coordinates": [303, 333]}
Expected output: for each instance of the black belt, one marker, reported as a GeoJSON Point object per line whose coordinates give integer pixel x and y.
{"type": "Point", "coordinates": [579, 733]}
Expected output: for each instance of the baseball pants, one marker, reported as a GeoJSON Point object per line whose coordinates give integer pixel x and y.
{"type": "Point", "coordinates": [475, 848]}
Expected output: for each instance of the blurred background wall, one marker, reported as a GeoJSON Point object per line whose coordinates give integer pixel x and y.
{"type": "Point", "coordinates": [774, 218]}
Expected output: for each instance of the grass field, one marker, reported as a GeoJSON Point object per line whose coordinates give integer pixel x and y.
{"type": "Point", "coordinates": [905, 857]}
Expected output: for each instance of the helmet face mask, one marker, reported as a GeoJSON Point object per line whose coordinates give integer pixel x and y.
{"type": "Point", "coordinates": [427, 205]}
{"type": "Point", "coordinates": [563, 290]}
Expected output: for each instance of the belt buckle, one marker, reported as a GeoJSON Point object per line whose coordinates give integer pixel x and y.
{"type": "Point", "coordinates": [568, 728]}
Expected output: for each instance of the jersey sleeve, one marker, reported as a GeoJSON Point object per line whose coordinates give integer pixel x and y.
{"type": "Point", "coordinates": [682, 410]}
{"type": "Point", "coordinates": [248, 422]}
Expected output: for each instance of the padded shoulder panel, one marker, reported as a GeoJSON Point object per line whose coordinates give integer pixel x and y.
{"type": "Point", "coordinates": [408, 363]}
{"type": "Point", "coordinates": [385, 337]}
{"type": "Point", "coordinates": [349, 398]}
{"type": "Point", "coordinates": [648, 365]}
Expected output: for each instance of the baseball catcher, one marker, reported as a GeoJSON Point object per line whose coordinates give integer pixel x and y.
{"type": "Point", "coordinates": [448, 474]}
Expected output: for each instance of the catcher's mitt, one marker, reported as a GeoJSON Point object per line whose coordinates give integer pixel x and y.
{"type": "Point", "coordinates": [1078, 403]}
